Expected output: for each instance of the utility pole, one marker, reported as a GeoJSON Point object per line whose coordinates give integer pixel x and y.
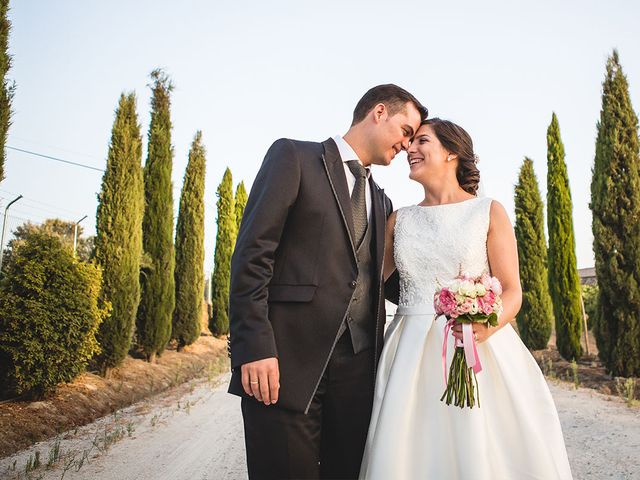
{"type": "Point", "coordinates": [75, 235]}
{"type": "Point", "coordinates": [4, 228]}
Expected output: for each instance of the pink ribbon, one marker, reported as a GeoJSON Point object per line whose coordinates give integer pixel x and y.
{"type": "Point", "coordinates": [469, 343]}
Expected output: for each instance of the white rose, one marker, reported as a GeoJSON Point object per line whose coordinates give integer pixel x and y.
{"type": "Point", "coordinates": [468, 289]}
{"type": "Point", "coordinates": [480, 290]}
{"type": "Point", "coordinates": [474, 307]}
{"type": "Point", "coordinates": [454, 286]}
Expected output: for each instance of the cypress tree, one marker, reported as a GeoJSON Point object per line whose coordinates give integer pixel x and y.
{"type": "Point", "coordinates": [157, 301]}
{"type": "Point", "coordinates": [535, 317]}
{"type": "Point", "coordinates": [118, 244]}
{"type": "Point", "coordinates": [615, 203]}
{"type": "Point", "coordinates": [7, 88]}
{"type": "Point", "coordinates": [564, 282]}
{"type": "Point", "coordinates": [189, 273]}
{"type": "Point", "coordinates": [225, 241]}
{"type": "Point", "coordinates": [241, 202]}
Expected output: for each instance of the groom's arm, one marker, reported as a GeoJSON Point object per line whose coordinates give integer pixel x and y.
{"type": "Point", "coordinates": [274, 192]}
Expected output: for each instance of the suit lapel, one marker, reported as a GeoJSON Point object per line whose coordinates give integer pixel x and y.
{"type": "Point", "coordinates": [335, 171]}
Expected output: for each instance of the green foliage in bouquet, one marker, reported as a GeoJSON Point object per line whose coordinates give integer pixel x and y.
{"type": "Point", "coordinates": [491, 319]}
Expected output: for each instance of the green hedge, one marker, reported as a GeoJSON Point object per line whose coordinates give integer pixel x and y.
{"type": "Point", "coordinates": [49, 316]}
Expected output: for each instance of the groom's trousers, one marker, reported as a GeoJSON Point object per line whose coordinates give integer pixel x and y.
{"type": "Point", "coordinates": [328, 442]}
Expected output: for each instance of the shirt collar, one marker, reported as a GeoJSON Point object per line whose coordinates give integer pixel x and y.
{"type": "Point", "coordinates": [347, 152]}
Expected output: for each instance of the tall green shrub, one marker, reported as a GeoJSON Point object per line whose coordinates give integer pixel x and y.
{"type": "Point", "coordinates": [535, 317]}
{"type": "Point", "coordinates": [241, 198]}
{"type": "Point", "coordinates": [189, 273]}
{"type": "Point", "coordinates": [225, 241]}
{"type": "Point", "coordinates": [7, 88]}
{"type": "Point", "coordinates": [118, 245]}
{"type": "Point", "coordinates": [157, 300]}
{"type": "Point", "coordinates": [615, 203]}
{"type": "Point", "coordinates": [49, 316]}
{"type": "Point", "coordinates": [564, 282]}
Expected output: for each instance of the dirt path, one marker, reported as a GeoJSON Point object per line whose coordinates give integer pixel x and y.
{"type": "Point", "coordinates": [196, 433]}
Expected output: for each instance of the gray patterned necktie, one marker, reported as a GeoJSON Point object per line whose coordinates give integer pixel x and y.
{"type": "Point", "coordinates": [358, 200]}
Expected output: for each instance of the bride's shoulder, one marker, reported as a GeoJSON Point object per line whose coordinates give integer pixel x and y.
{"type": "Point", "coordinates": [396, 217]}
{"type": "Point", "coordinates": [497, 213]}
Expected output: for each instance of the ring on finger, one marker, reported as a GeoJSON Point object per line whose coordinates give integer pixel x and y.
{"type": "Point", "coordinates": [254, 383]}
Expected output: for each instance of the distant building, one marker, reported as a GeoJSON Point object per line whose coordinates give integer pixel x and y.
{"type": "Point", "coordinates": [588, 276]}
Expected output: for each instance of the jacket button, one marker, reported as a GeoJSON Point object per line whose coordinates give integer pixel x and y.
{"type": "Point", "coordinates": [353, 284]}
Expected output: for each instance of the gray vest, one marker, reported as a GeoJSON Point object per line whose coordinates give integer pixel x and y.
{"type": "Point", "coordinates": [359, 319]}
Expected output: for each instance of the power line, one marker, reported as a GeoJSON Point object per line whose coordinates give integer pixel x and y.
{"type": "Point", "coordinates": [47, 145]}
{"type": "Point", "coordinates": [56, 209]}
{"type": "Point", "coordinates": [56, 159]}
{"type": "Point", "coordinates": [175, 189]}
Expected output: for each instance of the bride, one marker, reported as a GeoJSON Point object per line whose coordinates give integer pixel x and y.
{"type": "Point", "coordinates": [516, 433]}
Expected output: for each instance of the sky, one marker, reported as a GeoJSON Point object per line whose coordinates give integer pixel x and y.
{"type": "Point", "coordinates": [248, 73]}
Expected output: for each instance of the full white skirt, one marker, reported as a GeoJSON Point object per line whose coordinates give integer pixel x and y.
{"type": "Point", "coordinates": [514, 434]}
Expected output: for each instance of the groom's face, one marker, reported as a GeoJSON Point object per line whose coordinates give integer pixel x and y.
{"type": "Point", "coordinates": [393, 133]}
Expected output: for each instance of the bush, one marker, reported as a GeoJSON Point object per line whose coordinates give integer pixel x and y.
{"type": "Point", "coordinates": [49, 316]}
{"type": "Point", "coordinates": [590, 298]}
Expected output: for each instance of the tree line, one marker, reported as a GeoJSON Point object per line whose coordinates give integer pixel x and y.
{"type": "Point", "coordinates": [551, 286]}
{"type": "Point", "coordinates": [139, 284]}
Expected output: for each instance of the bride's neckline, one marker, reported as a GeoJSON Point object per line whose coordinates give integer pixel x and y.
{"type": "Point", "coordinates": [447, 204]}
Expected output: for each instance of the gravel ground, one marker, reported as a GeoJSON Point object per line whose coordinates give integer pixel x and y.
{"type": "Point", "coordinates": [195, 433]}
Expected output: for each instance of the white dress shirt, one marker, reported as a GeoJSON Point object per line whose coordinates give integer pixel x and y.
{"type": "Point", "coordinates": [347, 153]}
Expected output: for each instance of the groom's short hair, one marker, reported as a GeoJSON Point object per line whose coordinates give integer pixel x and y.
{"type": "Point", "coordinates": [392, 96]}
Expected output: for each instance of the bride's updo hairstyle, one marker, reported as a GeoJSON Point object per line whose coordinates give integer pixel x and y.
{"type": "Point", "coordinates": [456, 140]}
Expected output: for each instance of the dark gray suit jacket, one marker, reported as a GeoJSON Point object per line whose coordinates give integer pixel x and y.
{"type": "Point", "coordinates": [293, 270]}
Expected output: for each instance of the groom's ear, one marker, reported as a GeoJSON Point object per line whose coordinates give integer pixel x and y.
{"type": "Point", "coordinates": [379, 112]}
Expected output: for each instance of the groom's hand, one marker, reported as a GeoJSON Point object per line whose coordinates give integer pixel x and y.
{"type": "Point", "coordinates": [261, 379]}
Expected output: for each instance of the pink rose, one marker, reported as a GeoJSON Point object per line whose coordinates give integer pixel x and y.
{"type": "Point", "coordinates": [489, 298]}
{"type": "Point", "coordinates": [485, 279]}
{"type": "Point", "coordinates": [446, 302]}
{"type": "Point", "coordinates": [465, 277]}
{"type": "Point", "coordinates": [484, 306]}
{"type": "Point", "coordinates": [466, 307]}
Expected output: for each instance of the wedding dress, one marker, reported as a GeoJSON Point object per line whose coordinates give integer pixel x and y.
{"type": "Point", "coordinates": [515, 433]}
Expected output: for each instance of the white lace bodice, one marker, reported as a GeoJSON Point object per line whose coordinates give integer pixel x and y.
{"type": "Point", "coordinates": [433, 244]}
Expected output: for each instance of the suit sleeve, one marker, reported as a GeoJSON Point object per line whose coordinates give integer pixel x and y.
{"type": "Point", "coordinates": [273, 194]}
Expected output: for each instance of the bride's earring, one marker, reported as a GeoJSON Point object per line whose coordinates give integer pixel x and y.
{"type": "Point", "coordinates": [448, 158]}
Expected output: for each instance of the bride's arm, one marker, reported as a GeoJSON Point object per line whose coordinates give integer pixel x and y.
{"type": "Point", "coordinates": [389, 263]}
{"type": "Point", "coordinates": [503, 262]}
{"type": "Point", "coordinates": [502, 251]}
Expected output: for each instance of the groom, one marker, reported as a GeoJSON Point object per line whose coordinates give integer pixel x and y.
{"type": "Point", "coordinates": [306, 303]}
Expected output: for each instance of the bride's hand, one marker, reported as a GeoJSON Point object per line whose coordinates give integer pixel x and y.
{"type": "Point", "coordinates": [481, 332]}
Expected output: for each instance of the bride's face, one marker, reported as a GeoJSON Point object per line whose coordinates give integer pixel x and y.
{"type": "Point", "coordinates": [426, 154]}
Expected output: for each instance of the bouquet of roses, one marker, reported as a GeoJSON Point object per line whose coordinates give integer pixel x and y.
{"type": "Point", "coordinates": [465, 301]}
